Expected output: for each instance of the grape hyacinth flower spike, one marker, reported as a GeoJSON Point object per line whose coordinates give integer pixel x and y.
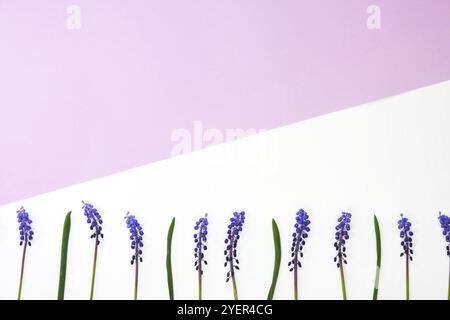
{"type": "Point", "coordinates": [201, 231]}
{"type": "Point", "coordinates": [136, 237]}
{"type": "Point", "coordinates": [341, 236]}
{"type": "Point", "coordinates": [26, 235]}
{"type": "Point", "coordinates": [406, 235]}
{"type": "Point", "coordinates": [444, 220]}
{"type": "Point", "coordinates": [298, 242]}
{"type": "Point", "coordinates": [94, 219]}
{"type": "Point", "coordinates": [231, 241]}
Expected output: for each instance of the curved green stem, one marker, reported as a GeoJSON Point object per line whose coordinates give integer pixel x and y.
{"type": "Point", "coordinates": [25, 244]}
{"type": "Point", "coordinates": [63, 264]}
{"type": "Point", "coordinates": [378, 243]}
{"type": "Point", "coordinates": [276, 267]}
{"type": "Point", "coordinates": [169, 259]}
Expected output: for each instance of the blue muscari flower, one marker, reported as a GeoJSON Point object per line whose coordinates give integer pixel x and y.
{"type": "Point", "coordinates": [341, 236]}
{"type": "Point", "coordinates": [136, 234]}
{"type": "Point", "coordinates": [234, 228]}
{"type": "Point", "coordinates": [444, 220]}
{"type": "Point", "coordinates": [25, 231]}
{"type": "Point", "coordinates": [201, 231]}
{"type": "Point", "coordinates": [298, 238]}
{"type": "Point", "coordinates": [94, 220]}
{"type": "Point", "coordinates": [406, 235]}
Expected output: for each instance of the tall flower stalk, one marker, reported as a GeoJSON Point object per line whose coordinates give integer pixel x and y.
{"type": "Point", "coordinates": [406, 235]}
{"type": "Point", "coordinates": [136, 237]}
{"type": "Point", "coordinates": [341, 236]}
{"type": "Point", "coordinates": [201, 231]}
{"type": "Point", "coordinates": [26, 235]}
{"type": "Point", "coordinates": [94, 219]}
{"type": "Point", "coordinates": [231, 260]}
{"type": "Point", "coordinates": [301, 229]}
{"type": "Point", "coordinates": [444, 220]}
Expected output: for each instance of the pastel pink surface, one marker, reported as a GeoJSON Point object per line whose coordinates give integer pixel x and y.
{"type": "Point", "coordinates": [77, 105]}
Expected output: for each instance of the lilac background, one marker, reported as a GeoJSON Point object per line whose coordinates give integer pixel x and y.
{"type": "Point", "coordinates": [76, 105]}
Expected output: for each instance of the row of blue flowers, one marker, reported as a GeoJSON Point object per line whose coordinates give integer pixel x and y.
{"type": "Point", "coordinates": [234, 229]}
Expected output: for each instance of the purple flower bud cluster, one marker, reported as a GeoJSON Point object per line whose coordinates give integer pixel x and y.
{"type": "Point", "coordinates": [94, 219]}
{"type": "Point", "coordinates": [136, 237]}
{"type": "Point", "coordinates": [444, 220]}
{"type": "Point", "coordinates": [231, 241]}
{"type": "Point", "coordinates": [406, 235]}
{"type": "Point", "coordinates": [341, 236]}
{"type": "Point", "coordinates": [201, 231]}
{"type": "Point", "coordinates": [301, 227]}
{"type": "Point", "coordinates": [25, 231]}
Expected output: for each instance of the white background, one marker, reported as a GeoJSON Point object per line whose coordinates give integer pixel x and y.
{"type": "Point", "coordinates": [383, 158]}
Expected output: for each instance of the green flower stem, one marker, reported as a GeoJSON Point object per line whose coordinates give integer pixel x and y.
{"type": "Point", "coordinates": [63, 264]}
{"type": "Point", "coordinates": [295, 283]}
{"type": "Point", "coordinates": [407, 276]}
{"type": "Point", "coordinates": [199, 265]}
{"type": "Point", "coordinates": [378, 243]}
{"type": "Point", "coordinates": [341, 269]}
{"type": "Point", "coordinates": [25, 244]}
{"type": "Point", "coordinates": [296, 271]}
{"type": "Point", "coordinates": [136, 275]}
{"type": "Point", "coordinates": [276, 267]}
{"type": "Point", "coordinates": [94, 266]}
{"type": "Point", "coordinates": [448, 283]}
{"type": "Point", "coordinates": [169, 259]}
{"type": "Point", "coordinates": [233, 279]}
{"type": "Point", "coordinates": [235, 292]}
{"type": "Point", "coordinates": [199, 281]}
